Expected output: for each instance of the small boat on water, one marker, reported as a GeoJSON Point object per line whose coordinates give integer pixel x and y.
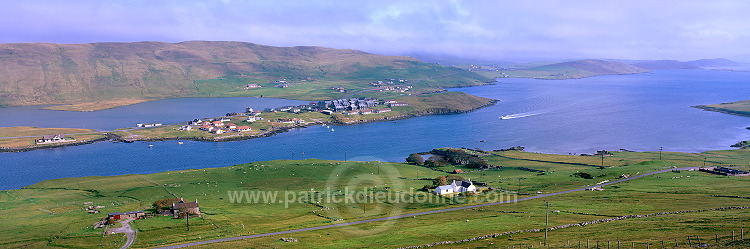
{"type": "Point", "coordinates": [179, 142]}
{"type": "Point", "coordinates": [150, 145]}
{"type": "Point", "coordinates": [331, 129]}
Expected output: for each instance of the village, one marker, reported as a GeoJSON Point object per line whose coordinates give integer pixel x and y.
{"type": "Point", "coordinates": [241, 122]}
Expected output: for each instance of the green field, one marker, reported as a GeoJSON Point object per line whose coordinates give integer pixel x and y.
{"type": "Point", "coordinates": [51, 213]}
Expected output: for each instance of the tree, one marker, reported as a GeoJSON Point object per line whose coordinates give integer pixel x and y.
{"type": "Point", "coordinates": [165, 204]}
{"type": "Point", "coordinates": [476, 163]}
{"type": "Point", "coordinates": [436, 161]}
{"type": "Point", "coordinates": [415, 159]}
{"type": "Point", "coordinates": [440, 181]}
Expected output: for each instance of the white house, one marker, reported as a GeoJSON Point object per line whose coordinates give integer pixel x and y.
{"type": "Point", "coordinates": [456, 187]}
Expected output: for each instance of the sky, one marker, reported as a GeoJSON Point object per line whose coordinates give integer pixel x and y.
{"type": "Point", "coordinates": [502, 30]}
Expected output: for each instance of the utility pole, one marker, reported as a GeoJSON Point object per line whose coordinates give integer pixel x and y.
{"type": "Point", "coordinates": [704, 162]}
{"type": "Point", "coordinates": [519, 186]}
{"type": "Point", "coordinates": [602, 154]}
{"type": "Point", "coordinates": [546, 222]}
{"type": "Point", "coordinates": [660, 149]}
{"type": "Point", "coordinates": [187, 220]}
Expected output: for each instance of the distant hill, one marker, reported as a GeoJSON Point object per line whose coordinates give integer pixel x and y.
{"type": "Point", "coordinates": [718, 62]}
{"type": "Point", "coordinates": [696, 64]}
{"type": "Point", "coordinates": [577, 69]}
{"type": "Point", "coordinates": [666, 64]}
{"type": "Point", "coordinates": [42, 73]}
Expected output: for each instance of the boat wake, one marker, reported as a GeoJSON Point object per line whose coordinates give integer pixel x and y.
{"type": "Point", "coordinates": [520, 115]}
{"type": "Point", "coordinates": [539, 112]}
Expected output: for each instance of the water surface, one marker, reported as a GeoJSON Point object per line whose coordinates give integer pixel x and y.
{"type": "Point", "coordinates": [639, 112]}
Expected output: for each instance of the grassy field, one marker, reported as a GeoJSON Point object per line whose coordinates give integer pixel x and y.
{"type": "Point", "coordinates": [98, 105]}
{"type": "Point", "coordinates": [8, 134]}
{"type": "Point", "coordinates": [310, 193]}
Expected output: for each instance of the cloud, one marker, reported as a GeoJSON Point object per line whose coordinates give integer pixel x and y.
{"type": "Point", "coordinates": [497, 29]}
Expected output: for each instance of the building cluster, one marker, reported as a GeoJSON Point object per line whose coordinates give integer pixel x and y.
{"type": "Point", "coordinates": [387, 82]}
{"type": "Point", "coordinates": [341, 105]}
{"type": "Point", "coordinates": [148, 125]}
{"type": "Point", "coordinates": [218, 125]}
{"type": "Point", "coordinates": [399, 89]}
{"type": "Point", "coordinates": [179, 209]}
{"type": "Point", "coordinates": [725, 171]}
{"type": "Point", "coordinates": [456, 187]}
{"type": "Point", "coordinates": [50, 139]}
{"type": "Point", "coordinates": [251, 86]}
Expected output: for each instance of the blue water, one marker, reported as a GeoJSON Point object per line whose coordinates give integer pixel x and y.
{"type": "Point", "coordinates": [637, 112]}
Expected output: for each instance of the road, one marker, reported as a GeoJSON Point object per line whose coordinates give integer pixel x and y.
{"type": "Point", "coordinates": [125, 229]}
{"type": "Point", "coordinates": [421, 213]}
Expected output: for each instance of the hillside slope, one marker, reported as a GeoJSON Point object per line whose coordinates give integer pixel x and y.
{"type": "Point", "coordinates": [577, 69]}
{"type": "Point", "coordinates": [74, 73]}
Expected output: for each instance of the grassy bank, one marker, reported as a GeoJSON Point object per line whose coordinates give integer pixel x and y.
{"type": "Point", "coordinates": [741, 108]}
{"type": "Point", "coordinates": [97, 105]}
{"type": "Point", "coordinates": [51, 213]}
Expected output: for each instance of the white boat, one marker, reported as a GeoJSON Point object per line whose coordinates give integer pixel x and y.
{"type": "Point", "coordinates": [179, 142]}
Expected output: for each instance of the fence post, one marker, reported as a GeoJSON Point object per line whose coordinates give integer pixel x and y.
{"type": "Point", "coordinates": [632, 245]}
{"type": "Point", "coordinates": [716, 237]}
{"type": "Point", "coordinates": [618, 244]}
{"type": "Point", "coordinates": [732, 235]}
{"type": "Point", "coordinates": [662, 244]}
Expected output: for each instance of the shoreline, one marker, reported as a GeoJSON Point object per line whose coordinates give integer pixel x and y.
{"type": "Point", "coordinates": [720, 110]}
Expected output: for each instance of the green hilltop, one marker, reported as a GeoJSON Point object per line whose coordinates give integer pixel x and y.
{"type": "Point", "coordinates": [42, 73]}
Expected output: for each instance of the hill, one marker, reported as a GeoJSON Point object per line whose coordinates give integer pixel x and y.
{"type": "Point", "coordinates": [44, 73]}
{"type": "Point", "coordinates": [666, 64]}
{"type": "Point", "coordinates": [718, 62]}
{"type": "Point", "coordinates": [576, 69]}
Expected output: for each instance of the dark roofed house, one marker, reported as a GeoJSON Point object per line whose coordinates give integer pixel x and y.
{"type": "Point", "coordinates": [183, 208]}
